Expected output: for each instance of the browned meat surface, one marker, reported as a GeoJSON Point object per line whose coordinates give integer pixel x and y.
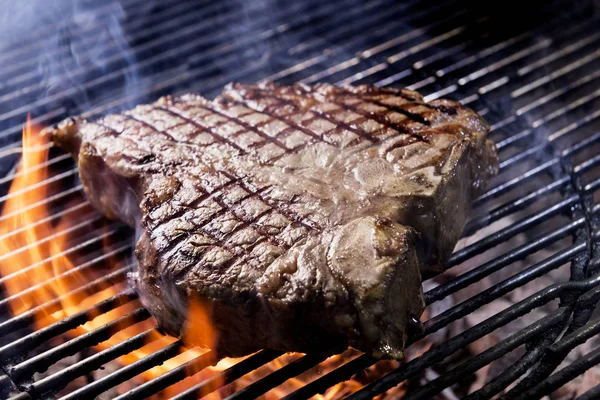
{"type": "Point", "coordinates": [299, 214]}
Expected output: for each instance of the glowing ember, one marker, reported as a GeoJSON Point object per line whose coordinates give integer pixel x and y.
{"type": "Point", "coordinates": [36, 269]}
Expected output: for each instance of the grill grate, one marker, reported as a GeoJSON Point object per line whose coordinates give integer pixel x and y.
{"type": "Point", "coordinates": [535, 78]}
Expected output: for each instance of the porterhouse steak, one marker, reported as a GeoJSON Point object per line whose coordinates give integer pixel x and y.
{"type": "Point", "coordinates": [300, 215]}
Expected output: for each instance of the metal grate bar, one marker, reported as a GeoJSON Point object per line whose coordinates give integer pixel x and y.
{"type": "Point", "coordinates": [548, 118]}
{"type": "Point", "coordinates": [586, 165]}
{"type": "Point", "coordinates": [324, 35]}
{"type": "Point", "coordinates": [561, 377]}
{"type": "Point", "coordinates": [368, 53]}
{"type": "Point", "coordinates": [56, 382]}
{"type": "Point", "coordinates": [276, 378]}
{"type": "Point", "coordinates": [181, 48]}
{"type": "Point", "coordinates": [457, 342]}
{"type": "Point", "coordinates": [571, 48]}
{"type": "Point", "coordinates": [484, 297]}
{"type": "Point", "coordinates": [326, 381]}
{"type": "Point", "coordinates": [139, 26]}
{"type": "Point", "coordinates": [28, 318]}
{"type": "Point", "coordinates": [556, 74]}
{"type": "Point", "coordinates": [101, 385]}
{"type": "Point", "coordinates": [169, 378]}
{"type": "Point", "coordinates": [37, 185]}
{"type": "Point", "coordinates": [35, 82]}
{"type": "Point", "coordinates": [539, 45]}
{"type": "Point", "coordinates": [137, 29]}
{"type": "Point", "coordinates": [60, 214]}
{"type": "Point", "coordinates": [481, 271]}
{"type": "Point", "coordinates": [6, 386]}
{"type": "Point", "coordinates": [546, 99]}
{"type": "Point", "coordinates": [50, 162]}
{"type": "Point", "coordinates": [513, 372]}
{"type": "Point", "coordinates": [518, 158]}
{"type": "Point", "coordinates": [515, 206]}
{"type": "Point", "coordinates": [71, 250]}
{"type": "Point", "coordinates": [76, 189]}
{"type": "Point", "coordinates": [503, 234]}
{"type": "Point", "coordinates": [74, 272]}
{"type": "Point", "coordinates": [34, 43]}
{"type": "Point", "coordinates": [526, 134]}
{"type": "Point", "coordinates": [421, 31]}
{"type": "Point", "coordinates": [40, 336]}
{"type": "Point", "coordinates": [576, 338]}
{"type": "Point", "coordinates": [570, 107]}
{"type": "Point", "coordinates": [558, 318]}
{"type": "Point", "coordinates": [229, 375]}
{"type": "Point", "coordinates": [346, 32]}
{"type": "Point", "coordinates": [591, 394]}
{"type": "Point", "coordinates": [42, 361]}
{"type": "Point", "coordinates": [592, 186]}
{"type": "Point", "coordinates": [514, 183]}
{"type": "Point", "coordinates": [541, 101]}
{"type": "Point", "coordinates": [575, 125]}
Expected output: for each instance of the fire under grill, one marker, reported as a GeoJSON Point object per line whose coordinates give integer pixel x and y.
{"type": "Point", "coordinates": [514, 311]}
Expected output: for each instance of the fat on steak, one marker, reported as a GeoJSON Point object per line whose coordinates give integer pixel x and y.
{"type": "Point", "coordinates": [301, 215]}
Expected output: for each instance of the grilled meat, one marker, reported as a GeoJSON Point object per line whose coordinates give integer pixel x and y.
{"type": "Point", "coordinates": [301, 215]}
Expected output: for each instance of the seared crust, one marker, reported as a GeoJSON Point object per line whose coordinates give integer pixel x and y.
{"type": "Point", "coordinates": [300, 214]}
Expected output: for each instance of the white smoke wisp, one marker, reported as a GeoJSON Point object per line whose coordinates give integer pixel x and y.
{"type": "Point", "coordinates": [71, 44]}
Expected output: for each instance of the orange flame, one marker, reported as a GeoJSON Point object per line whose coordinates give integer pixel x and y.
{"type": "Point", "coordinates": [36, 269]}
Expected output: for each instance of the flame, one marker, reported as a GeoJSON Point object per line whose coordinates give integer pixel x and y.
{"type": "Point", "coordinates": [36, 268]}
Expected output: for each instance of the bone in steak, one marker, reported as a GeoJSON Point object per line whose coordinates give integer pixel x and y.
{"type": "Point", "coordinates": [299, 214]}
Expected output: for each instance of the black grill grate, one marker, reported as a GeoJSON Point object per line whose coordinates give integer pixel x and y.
{"type": "Point", "coordinates": [534, 76]}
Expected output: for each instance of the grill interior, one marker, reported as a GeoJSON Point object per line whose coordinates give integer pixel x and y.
{"type": "Point", "coordinates": [531, 246]}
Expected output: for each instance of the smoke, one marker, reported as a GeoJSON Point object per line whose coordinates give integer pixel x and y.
{"type": "Point", "coordinates": [73, 46]}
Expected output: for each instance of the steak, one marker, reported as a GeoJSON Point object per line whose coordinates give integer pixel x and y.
{"type": "Point", "coordinates": [300, 216]}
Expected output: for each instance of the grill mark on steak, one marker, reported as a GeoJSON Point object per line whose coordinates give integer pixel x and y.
{"type": "Point", "coordinates": [448, 110]}
{"type": "Point", "coordinates": [217, 196]}
{"type": "Point", "coordinates": [395, 108]}
{"type": "Point", "coordinates": [415, 117]}
{"type": "Point", "coordinates": [154, 129]}
{"type": "Point", "coordinates": [116, 133]}
{"type": "Point", "coordinates": [284, 118]}
{"type": "Point", "coordinates": [111, 130]}
{"type": "Point", "coordinates": [398, 144]}
{"type": "Point", "coordinates": [401, 94]}
{"type": "Point", "coordinates": [247, 126]}
{"type": "Point", "coordinates": [370, 115]}
{"type": "Point", "coordinates": [300, 251]}
{"type": "Point", "coordinates": [205, 129]}
{"type": "Point", "coordinates": [443, 109]}
{"type": "Point", "coordinates": [221, 239]}
{"type": "Point", "coordinates": [346, 125]}
{"type": "Point", "coordinates": [239, 253]}
{"type": "Point", "coordinates": [326, 116]}
{"type": "Point", "coordinates": [277, 206]}
{"type": "Point", "coordinates": [169, 136]}
{"type": "Point", "coordinates": [166, 134]}
{"type": "Point", "coordinates": [292, 126]}
{"type": "Point", "coordinates": [195, 203]}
